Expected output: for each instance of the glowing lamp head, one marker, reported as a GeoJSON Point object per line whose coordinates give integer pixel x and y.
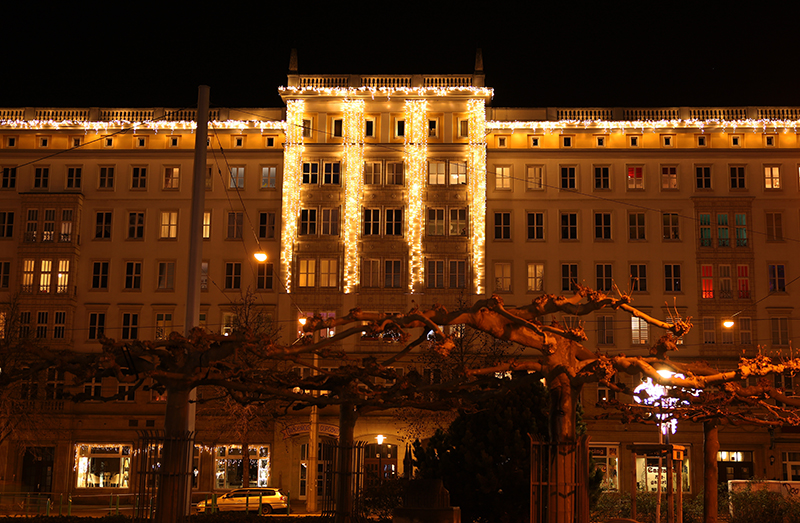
{"type": "Point", "coordinates": [380, 438]}
{"type": "Point", "coordinates": [728, 323]}
{"type": "Point", "coordinates": [260, 256]}
{"type": "Point", "coordinates": [302, 321]}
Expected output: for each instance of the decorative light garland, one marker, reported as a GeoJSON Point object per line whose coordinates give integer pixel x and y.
{"type": "Point", "coordinates": [642, 125]}
{"type": "Point", "coordinates": [351, 92]}
{"type": "Point", "coordinates": [476, 189]}
{"type": "Point", "coordinates": [416, 158]}
{"type": "Point", "coordinates": [292, 178]}
{"type": "Point", "coordinates": [354, 131]}
{"type": "Point", "coordinates": [152, 125]}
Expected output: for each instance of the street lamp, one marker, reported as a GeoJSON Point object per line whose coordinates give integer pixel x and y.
{"type": "Point", "coordinates": [380, 439]}
{"type": "Point", "coordinates": [260, 256]}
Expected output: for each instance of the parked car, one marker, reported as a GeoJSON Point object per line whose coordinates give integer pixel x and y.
{"type": "Point", "coordinates": [271, 499]}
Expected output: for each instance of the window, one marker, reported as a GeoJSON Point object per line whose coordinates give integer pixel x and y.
{"type": "Point", "coordinates": [534, 178]}
{"type": "Point", "coordinates": [266, 225]}
{"type": "Point", "coordinates": [369, 128]}
{"type": "Point", "coordinates": [745, 331]}
{"type": "Point", "coordinates": [62, 277]}
{"type": "Point", "coordinates": [605, 330]}
{"type": "Point", "coordinates": [535, 277]}
{"type": "Point", "coordinates": [28, 270]}
{"type": "Point", "coordinates": [49, 225]}
{"type": "Point", "coordinates": [600, 141]}
{"type": "Point", "coordinates": [707, 281]}
{"type": "Point", "coordinates": [328, 272]}
{"type": "Point", "coordinates": [308, 127]}
{"type": "Point", "coordinates": [5, 278]}
{"type": "Point", "coordinates": [603, 274]}
{"type": "Point", "coordinates": [635, 178]}
{"type": "Point", "coordinates": [330, 222]}
{"type": "Point", "coordinates": [41, 177]}
{"type": "Point", "coordinates": [171, 177]}
{"type": "Point", "coordinates": [602, 226]}
{"type": "Point", "coordinates": [204, 276]}
{"type": "Point", "coordinates": [6, 224]}
{"type": "Point", "coordinates": [59, 325]}
{"type": "Point", "coordinates": [394, 173]}
{"type": "Point", "coordinates": [163, 325]}
{"type": "Point", "coordinates": [399, 128]}
{"type": "Point", "coordinates": [264, 276]}
{"type": "Point", "coordinates": [307, 273]}
{"type": "Point", "coordinates": [502, 277]}
{"type": "Point", "coordinates": [636, 229]}
{"type": "Point", "coordinates": [776, 277]}
{"type": "Point", "coordinates": [228, 467]}
{"type": "Point", "coordinates": [235, 225]}
{"type": "Point", "coordinates": [237, 178]}
{"type": "Point", "coordinates": [310, 173]}
{"type": "Point", "coordinates": [640, 331]}
{"type": "Point", "coordinates": [458, 274]}
{"type": "Point", "coordinates": [372, 173]}
{"type": "Point", "coordinates": [9, 180]}
{"type": "Point", "coordinates": [725, 283]}
{"type": "Point", "coordinates": [769, 141]}
{"type": "Point", "coordinates": [709, 330]}
{"type": "Point", "coordinates": [371, 273]}
{"type": "Point", "coordinates": [166, 276]}
{"type": "Point", "coordinates": [66, 225]}
{"type": "Point", "coordinates": [139, 178]}
{"type": "Point", "coordinates": [44, 276]}
{"type": "Point", "coordinates": [233, 275]}
{"type": "Point", "coordinates": [672, 277]}
{"type": "Point", "coordinates": [74, 177]}
{"type": "Point", "coordinates": [269, 177]}
{"type": "Point", "coordinates": [741, 230]}
{"type": "Point", "coordinates": [458, 221]}
{"type": "Point", "coordinates": [634, 140]}
{"type": "Point", "coordinates": [463, 128]}
{"type": "Point", "coordinates": [780, 330]}
{"type": "Point", "coordinates": [32, 225]}
{"type": "Point", "coordinates": [737, 177]}
{"type": "Point", "coordinates": [669, 177]}
{"type": "Point", "coordinates": [206, 225]}
{"type": "Point", "coordinates": [569, 226]}
{"type": "Point", "coordinates": [106, 179]}
{"type": "Point", "coordinates": [372, 222]}
{"type": "Point", "coordinates": [458, 172]}
{"type": "Point", "coordinates": [97, 324]}
{"type": "Point", "coordinates": [568, 178]}
{"type": "Point", "coordinates": [133, 275]}
{"type": "Point", "coordinates": [41, 324]}
{"type": "Point", "coordinates": [602, 177]}
{"type": "Point", "coordinates": [392, 274]}
{"type": "Point", "coordinates": [502, 179]}
{"type": "Point", "coordinates": [434, 276]}
{"type": "Point", "coordinates": [536, 226]}
{"type": "Point", "coordinates": [569, 276]}
{"type": "Point", "coordinates": [102, 465]}
{"type": "Point", "coordinates": [670, 226]}
{"type": "Point", "coordinates": [566, 141]}
{"type": "Point", "coordinates": [331, 173]}
{"type": "Point", "coordinates": [130, 326]}
{"type": "Point", "coordinates": [394, 222]}
{"type": "Point", "coordinates": [774, 227]}
{"type": "Point", "coordinates": [135, 225]}
{"type": "Point", "coordinates": [169, 225]}
{"type": "Point", "coordinates": [502, 226]}
{"type": "Point", "coordinates": [703, 177]}
{"type": "Point", "coordinates": [743, 281]}
{"type": "Point", "coordinates": [102, 230]}
{"type": "Point", "coordinates": [705, 230]}
{"type": "Point", "coordinates": [336, 127]}
{"type": "Point", "coordinates": [437, 174]}
{"type": "Point", "coordinates": [723, 232]}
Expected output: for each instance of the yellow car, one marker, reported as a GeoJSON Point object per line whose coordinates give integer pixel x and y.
{"type": "Point", "coordinates": [271, 499]}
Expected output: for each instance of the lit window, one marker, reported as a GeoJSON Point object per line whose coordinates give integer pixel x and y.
{"type": "Point", "coordinates": [535, 277]}
{"type": "Point", "coordinates": [268, 177]}
{"type": "Point", "coordinates": [502, 277]}
{"type": "Point", "coordinates": [669, 177]}
{"type": "Point", "coordinates": [635, 177]}
{"type": "Point", "coordinates": [169, 225]}
{"type": "Point", "coordinates": [237, 178]}
{"type": "Point", "coordinates": [772, 177]}
{"type": "Point", "coordinates": [534, 178]}
{"type": "Point", "coordinates": [102, 465]}
{"type": "Point", "coordinates": [328, 273]}
{"type": "Point", "coordinates": [166, 276]}
{"type": "Point", "coordinates": [640, 331]}
{"type": "Point", "coordinates": [437, 173]}
{"type": "Point", "coordinates": [171, 177]}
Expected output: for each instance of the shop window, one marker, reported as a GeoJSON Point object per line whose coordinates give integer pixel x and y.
{"type": "Point", "coordinates": [648, 469]}
{"type": "Point", "coordinates": [229, 466]}
{"type": "Point", "coordinates": [103, 465]}
{"type": "Point", "coordinates": [606, 459]}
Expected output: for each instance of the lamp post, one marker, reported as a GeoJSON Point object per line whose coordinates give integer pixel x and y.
{"type": "Point", "coordinates": [380, 439]}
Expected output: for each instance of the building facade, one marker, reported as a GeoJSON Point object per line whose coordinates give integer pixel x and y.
{"type": "Point", "coordinates": [383, 193]}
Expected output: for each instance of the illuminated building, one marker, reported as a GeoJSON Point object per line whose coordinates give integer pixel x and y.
{"type": "Point", "coordinates": [385, 192]}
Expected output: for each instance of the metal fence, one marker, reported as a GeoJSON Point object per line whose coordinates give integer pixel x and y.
{"type": "Point", "coordinates": [560, 481]}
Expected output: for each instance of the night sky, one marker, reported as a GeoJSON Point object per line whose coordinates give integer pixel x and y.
{"type": "Point", "coordinates": [535, 54]}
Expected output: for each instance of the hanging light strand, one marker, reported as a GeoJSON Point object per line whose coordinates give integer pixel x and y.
{"type": "Point", "coordinates": [354, 131]}
{"type": "Point", "coordinates": [476, 174]}
{"type": "Point", "coordinates": [416, 158]}
{"type": "Point", "coordinates": [292, 178]}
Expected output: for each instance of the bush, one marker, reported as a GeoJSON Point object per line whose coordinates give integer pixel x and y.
{"type": "Point", "coordinates": [616, 505]}
{"type": "Point", "coordinates": [380, 500]}
{"type": "Point", "coordinates": [764, 506]}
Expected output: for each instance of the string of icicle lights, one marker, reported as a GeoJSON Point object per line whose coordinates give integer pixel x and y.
{"type": "Point", "coordinates": [292, 180]}
{"type": "Point", "coordinates": [416, 156]}
{"type": "Point", "coordinates": [354, 131]}
{"type": "Point", "coordinates": [388, 92]}
{"type": "Point", "coordinates": [476, 190]}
